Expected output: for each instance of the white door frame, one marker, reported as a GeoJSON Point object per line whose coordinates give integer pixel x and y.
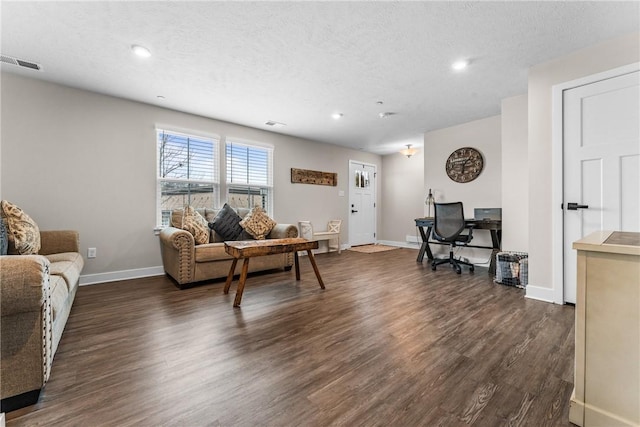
{"type": "Point", "coordinates": [557, 170]}
{"type": "Point", "coordinates": [375, 197]}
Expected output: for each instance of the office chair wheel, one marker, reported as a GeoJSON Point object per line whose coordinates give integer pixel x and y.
{"type": "Point", "coordinates": [433, 267]}
{"type": "Point", "coordinates": [459, 271]}
{"type": "Point", "coordinates": [471, 269]}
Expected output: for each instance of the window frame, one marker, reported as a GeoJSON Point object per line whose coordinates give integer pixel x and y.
{"type": "Point", "coordinates": [215, 182]}
{"type": "Point", "coordinates": [250, 187]}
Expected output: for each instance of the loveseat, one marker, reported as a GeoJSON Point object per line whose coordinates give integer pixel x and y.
{"type": "Point", "coordinates": [37, 292]}
{"type": "Point", "coordinates": [188, 263]}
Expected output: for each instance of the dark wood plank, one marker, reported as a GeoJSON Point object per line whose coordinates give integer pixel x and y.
{"type": "Point", "coordinates": [390, 342]}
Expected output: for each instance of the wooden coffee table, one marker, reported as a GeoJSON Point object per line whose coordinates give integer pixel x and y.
{"type": "Point", "coordinates": [247, 249]}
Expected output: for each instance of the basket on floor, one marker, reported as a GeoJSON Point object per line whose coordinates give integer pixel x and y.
{"type": "Point", "coordinates": [512, 268]}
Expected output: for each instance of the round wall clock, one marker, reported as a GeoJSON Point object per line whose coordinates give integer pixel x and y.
{"type": "Point", "coordinates": [464, 164]}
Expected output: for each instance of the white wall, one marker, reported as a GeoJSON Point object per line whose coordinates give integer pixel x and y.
{"type": "Point", "coordinates": [601, 57]}
{"type": "Point", "coordinates": [74, 159]}
{"type": "Point", "coordinates": [485, 190]}
{"type": "Point", "coordinates": [515, 175]}
{"type": "Point", "coordinates": [402, 196]}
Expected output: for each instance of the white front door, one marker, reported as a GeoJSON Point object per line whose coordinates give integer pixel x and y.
{"type": "Point", "coordinates": [601, 163]}
{"type": "Point", "coordinates": [362, 203]}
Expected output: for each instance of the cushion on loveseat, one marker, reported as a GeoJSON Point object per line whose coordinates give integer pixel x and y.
{"type": "Point", "coordinates": [257, 223]}
{"type": "Point", "coordinates": [211, 252]}
{"type": "Point", "coordinates": [68, 265]}
{"type": "Point", "coordinates": [209, 215]}
{"type": "Point", "coordinates": [59, 294]}
{"type": "Point", "coordinates": [194, 223]}
{"type": "Point", "coordinates": [23, 232]}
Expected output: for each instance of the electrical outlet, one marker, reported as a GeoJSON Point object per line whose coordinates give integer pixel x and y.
{"type": "Point", "coordinates": [91, 252]}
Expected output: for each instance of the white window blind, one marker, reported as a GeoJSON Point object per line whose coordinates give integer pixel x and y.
{"type": "Point", "coordinates": [249, 170]}
{"type": "Point", "coordinates": [187, 172]}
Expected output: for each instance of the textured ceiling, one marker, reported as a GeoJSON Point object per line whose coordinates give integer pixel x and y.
{"type": "Point", "coordinates": [299, 62]}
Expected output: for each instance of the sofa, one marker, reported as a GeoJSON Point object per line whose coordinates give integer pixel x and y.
{"type": "Point", "coordinates": [37, 293]}
{"type": "Point", "coordinates": [189, 263]}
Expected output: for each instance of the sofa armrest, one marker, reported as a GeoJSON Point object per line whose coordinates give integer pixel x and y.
{"type": "Point", "coordinates": [178, 251]}
{"type": "Point", "coordinates": [58, 241]}
{"type": "Point", "coordinates": [27, 336]}
{"type": "Point", "coordinates": [24, 284]}
{"type": "Point", "coordinates": [283, 231]}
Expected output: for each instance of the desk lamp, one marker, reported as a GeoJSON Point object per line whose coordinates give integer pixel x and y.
{"type": "Point", "coordinates": [430, 200]}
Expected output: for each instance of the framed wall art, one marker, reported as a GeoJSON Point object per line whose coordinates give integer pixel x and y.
{"type": "Point", "coordinates": [305, 176]}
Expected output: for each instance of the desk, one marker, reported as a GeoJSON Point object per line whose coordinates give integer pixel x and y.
{"type": "Point", "coordinates": [493, 225]}
{"type": "Point", "coordinates": [247, 249]}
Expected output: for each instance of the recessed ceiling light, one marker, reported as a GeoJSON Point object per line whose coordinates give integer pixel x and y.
{"type": "Point", "coordinates": [160, 96]}
{"type": "Point", "coordinates": [337, 115]}
{"type": "Point", "coordinates": [460, 65]}
{"type": "Point", "coordinates": [386, 114]}
{"type": "Point", "coordinates": [274, 124]}
{"type": "Point", "coordinates": [141, 51]}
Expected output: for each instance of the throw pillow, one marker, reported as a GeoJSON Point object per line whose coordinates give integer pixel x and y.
{"type": "Point", "coordinates": [227, 223]}
{"type": "Point", "coordinates": [195, 224]}
{"type": "Point", "coordinates": [257, 223]}
{"type": "Point", "coordinates": [4, 238]}
{"type": "Point", "coordinates": [22, 229]}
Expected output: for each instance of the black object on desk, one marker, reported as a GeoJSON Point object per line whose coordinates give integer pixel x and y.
{"type": "Point", "coordinates": [493, 225]}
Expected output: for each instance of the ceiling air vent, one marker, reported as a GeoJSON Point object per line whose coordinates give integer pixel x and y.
{"type": "Point", "coordinates": [274, 124]}
{"type": "Point", "coordinates": [20, 62]}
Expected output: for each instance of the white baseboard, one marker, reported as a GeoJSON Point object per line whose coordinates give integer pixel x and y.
{"type": "Point", "coordinates": [540, 294]}
{"type": "Point", "coordinates": [93, 279]}
{"type": "Point", "coordinates": [2, 419]}
{"type": "Point", "coordinates": [408, 245]}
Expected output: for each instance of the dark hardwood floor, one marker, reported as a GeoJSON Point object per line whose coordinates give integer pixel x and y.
{"type": "Point", "coordinates": [388, 343]}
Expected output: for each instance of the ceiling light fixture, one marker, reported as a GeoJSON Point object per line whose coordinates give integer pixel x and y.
{"type": "Point", "coordinates": [385, 114]}
{"type": "Point", "coordinates": [460, 65]}
{"type": "Point", "coordinates": [408, 151]}
{"type": "Point", "coordinates": [337, 116]}
{"type": "Point", "coordinates": [141, 51]}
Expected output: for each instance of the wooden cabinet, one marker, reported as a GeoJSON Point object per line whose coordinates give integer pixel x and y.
{"type": "Point", "coordinates": [607, 360]}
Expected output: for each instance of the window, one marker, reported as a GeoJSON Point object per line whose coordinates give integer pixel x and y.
{"type": "Point", "coordinates": [249, 171]}
{"type": "Point", "coordinates": [187, 173]}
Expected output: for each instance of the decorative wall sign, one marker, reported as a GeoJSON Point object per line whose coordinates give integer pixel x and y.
{"type": "Point", "coordinates": [304, 176]}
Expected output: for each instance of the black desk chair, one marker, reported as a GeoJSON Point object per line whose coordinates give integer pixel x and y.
{"type": "Point", "coordinates": [448, 226]}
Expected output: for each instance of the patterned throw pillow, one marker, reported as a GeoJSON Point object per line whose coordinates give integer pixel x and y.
{"type": "Point", "coordinates": [257, 223]}
{"type": "Point", "coordinates": [22, 229]}
{"type": "Point", "coordinates": [195, 224]}
{"type": "Point", "coordinates": [227, 223]}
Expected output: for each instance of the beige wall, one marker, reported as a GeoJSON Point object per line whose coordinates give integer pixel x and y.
{"type": "Point", "coordinates": [80, 160]}
{"type": "Point", "coordinates": [484, 191]}
{"type": "Point", "coordinates": [602, 57]}
{"type": "Point", "coordinates": [515, 175]}
{"type": "Point", "coordinates": [403, 196]}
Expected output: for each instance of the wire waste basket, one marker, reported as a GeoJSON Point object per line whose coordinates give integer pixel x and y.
{"type": "Point", "coordinates": [512, 269]}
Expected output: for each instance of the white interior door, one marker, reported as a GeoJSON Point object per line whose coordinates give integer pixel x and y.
{"type": "Point", "coordinates": [601, 163]}
{"type": "Point", "coordinates": [362, 203]}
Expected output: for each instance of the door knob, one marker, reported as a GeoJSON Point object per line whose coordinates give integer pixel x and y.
{"type": "Point", "coordinates": [575, 206]}
{"type": "Point", "coordinates": [353, 211]}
